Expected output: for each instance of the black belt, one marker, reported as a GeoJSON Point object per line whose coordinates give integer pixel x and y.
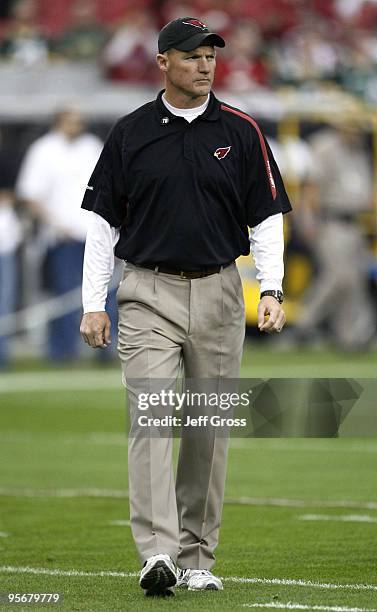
{"type": "Point", "coordinates": [187, 273]}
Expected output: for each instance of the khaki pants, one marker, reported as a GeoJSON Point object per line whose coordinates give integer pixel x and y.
{"type": "Point", "coordinates": [340, 293]}
{"type": "Point", "coordinates": [166, 321]}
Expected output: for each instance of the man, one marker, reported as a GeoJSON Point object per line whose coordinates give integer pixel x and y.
{"type": "Point", "coordinates": [51, 181]}
{"type": "Point", "coordinates": [84, 37]}
{"type": "Point", "coordinates": [340, 192]}
{"type": "Point", "coordinates": [177, 185]}
{"type": "Point", "coordinates": [10, 239]}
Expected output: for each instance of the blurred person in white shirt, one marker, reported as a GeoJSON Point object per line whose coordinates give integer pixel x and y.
{"type": "Point", "coordinates": [51, 182]}
{"type": "Point", "coordinates": [338, 197]}
{"type": "Point", "coordinates": [10, 238]}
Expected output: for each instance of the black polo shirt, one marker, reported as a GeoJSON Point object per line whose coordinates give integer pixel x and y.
{"type": "Point", "coordinates": [184, 193]}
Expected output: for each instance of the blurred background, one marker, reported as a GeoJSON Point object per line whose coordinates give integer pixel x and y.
{"type": "Point", "coordinates": [305, 69]}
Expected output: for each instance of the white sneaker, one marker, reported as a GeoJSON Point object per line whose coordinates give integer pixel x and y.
{"type": "Point", "coordinates": [158, 574]}
{"type": "Point", "coordinates": [193, 580]}
{"type": "Point", "coordinates": [182, 578]}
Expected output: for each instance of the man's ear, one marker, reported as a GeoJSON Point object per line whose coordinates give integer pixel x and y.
{"type": "Point", "coordinates": [162, 61]}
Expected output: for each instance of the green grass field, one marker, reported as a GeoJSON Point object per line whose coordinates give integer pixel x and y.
{"type": "Point", "coordinates": [299, 523]}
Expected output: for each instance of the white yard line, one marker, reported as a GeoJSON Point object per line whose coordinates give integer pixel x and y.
{"type": "Point", "coordinates": [345, 518]}
{"type": "Point", "coordinates": [87, 492]}
{"type": "Point", "coordinates": [311, 369]}
{"type": "Point", "coordinates": [57, 438]}
{"type": "Point", "coordinates": [4, 534]}
{"type": "Point", "coordinates": [239, 501]}
{"type": "Point", "coordinates": [296, 606]}
{"type": "Point", "coordinates": [60, 381]}
{"type": "Point", "coordinates": [301, 503]}
{"type": "Point", "coordinates": [49, 380]}
{"type": "Point", "coordinates": [21, 382]}
{"type": "Point", "coordinates": [120, 523]}
{"type": "Point", "coordinates": [317, 445]}
{"type": "Point", "coordinates": [303, 583]}
{"type": "Point", "coordinates": [10, 569]}
{"type": "Point", "coordinates": [342, 445]}
{"type": "Point", "coordinates": [43, 571]}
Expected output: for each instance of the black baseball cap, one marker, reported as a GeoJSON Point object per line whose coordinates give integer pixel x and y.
{"type": "Point", "coordinates": [186, 34]}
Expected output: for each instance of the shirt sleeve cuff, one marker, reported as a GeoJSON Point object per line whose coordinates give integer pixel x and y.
{"type": "Point", "coordinates": [268, 285]}
{"type": "Point", "coordinates": [100, 307]}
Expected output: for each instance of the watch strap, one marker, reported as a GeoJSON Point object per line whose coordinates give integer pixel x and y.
{"type": "Point", "coordinates": [278, 295]}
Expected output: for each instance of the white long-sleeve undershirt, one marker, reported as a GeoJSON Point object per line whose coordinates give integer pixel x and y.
{"type": "Point", "coordinates": [98, 269]}
{"type": "Point", "coordinates": [267, 247]}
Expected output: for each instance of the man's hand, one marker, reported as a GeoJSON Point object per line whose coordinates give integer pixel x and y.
{"type": "Point", "coordinates": [95, 329]}
{"type": "Point", "coordinates": [271, 317]}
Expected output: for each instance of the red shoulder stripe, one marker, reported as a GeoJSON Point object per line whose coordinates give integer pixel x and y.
{"type": "Point", "coordinates": [262, 144]}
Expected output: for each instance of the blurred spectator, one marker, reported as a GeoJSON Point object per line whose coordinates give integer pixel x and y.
{"type": "Point", "coordinates": [275, 17]}
{"type": "Point", "coordinates": [173, 9]}
{"type": "Point", "coordinates": [294, 158]}
{"type": "Point", "coordinates": [326, 8]}
{"type": "Point", "coordinates": [309, 52]}
{"type": "Point", "coordinates": [51, 182]}
{"type": "Point", "coordinates": [295, 161]}
{"type": "Point", "coordinates": [367, 17]}
{"type": "Point", "coordinates": [220, 14]}
{"type": "Point", "coordinates": [359, 65]}
{"type": "Point", "coordinates": [24, 42]}
{"type": "Point", "coordinates": [85, 37]}
{"type": "Point", "coordinates": [368, 43]}
{"type": "Point", "coordinates": [10, 238]}
{"type": "Point", "coordinates": [342, 188]}
{"type": "Point", "coordinates": [243, 66]}
{"type": "Point", "coordinates": [348, 10]}
{"type": "Point", "coordinates": [130, 54]}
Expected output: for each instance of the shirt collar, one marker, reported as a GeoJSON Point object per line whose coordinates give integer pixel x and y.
{"type": "Point", "coordinates": [186, 112]}
{"type": "Point", "coordinates": [211, 113]}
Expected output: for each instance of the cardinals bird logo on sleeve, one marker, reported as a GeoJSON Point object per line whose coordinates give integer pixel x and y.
{"type": "Point", "coordinates": [222, 152]}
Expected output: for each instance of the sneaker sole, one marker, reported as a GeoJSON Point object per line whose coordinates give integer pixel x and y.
{"type": "Point", "coordinates": [159, 578]}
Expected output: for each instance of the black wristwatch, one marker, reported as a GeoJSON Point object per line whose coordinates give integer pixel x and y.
{"type": "Point", "coordinates": [278, 295]}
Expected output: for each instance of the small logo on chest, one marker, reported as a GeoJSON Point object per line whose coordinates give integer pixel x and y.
{"type": "Point", "coordinates": [222, 152]}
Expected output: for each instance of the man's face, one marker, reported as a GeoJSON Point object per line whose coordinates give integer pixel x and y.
{"type": "Point", "coordinates": [189, 72]}
{"type": "Point", "coordinates": [71, 124]}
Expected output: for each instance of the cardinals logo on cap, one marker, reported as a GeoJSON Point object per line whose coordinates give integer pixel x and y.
{"type": "Point", "coordinates": [196, 23]}
{"type": "Point", "coordinates": [222, 152]}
